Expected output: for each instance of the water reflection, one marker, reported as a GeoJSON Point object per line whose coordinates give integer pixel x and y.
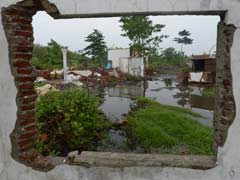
{"type": "Point", "coordinates": [165, 90]}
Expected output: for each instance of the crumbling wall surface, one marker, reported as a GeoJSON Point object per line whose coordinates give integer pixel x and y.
{"type": "Point", "coordinates": [228, 164]}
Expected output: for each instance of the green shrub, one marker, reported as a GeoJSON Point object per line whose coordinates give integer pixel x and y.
{"type": "Point", "coordinates": [69, 120]}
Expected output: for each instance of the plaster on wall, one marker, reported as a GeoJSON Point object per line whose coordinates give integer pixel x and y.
{"type": "Point", "coordinates": [228, 161]}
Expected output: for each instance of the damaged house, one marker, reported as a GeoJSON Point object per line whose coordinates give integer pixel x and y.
{"type": "Point", "coordinates": [203, 69]}
{"type": "Point", "coordinates": [127, 61]}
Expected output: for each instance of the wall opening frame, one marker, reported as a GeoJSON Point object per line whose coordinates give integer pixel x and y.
{"type": "Point", "coordinates": [17, 19]}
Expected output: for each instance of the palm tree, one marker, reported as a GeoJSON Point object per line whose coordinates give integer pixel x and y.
{"type": "Point", "coordinates": [183, 39]}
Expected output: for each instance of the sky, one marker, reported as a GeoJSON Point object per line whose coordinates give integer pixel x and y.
{"type": "Point", "coordinates": [72, 32]}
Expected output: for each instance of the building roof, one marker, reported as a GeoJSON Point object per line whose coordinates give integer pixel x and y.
{"type": "Point", "coordinates": [202, 57]}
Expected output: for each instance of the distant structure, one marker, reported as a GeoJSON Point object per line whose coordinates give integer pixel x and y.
{"type": "Point", "coordinates": [65, 68]}
{"type": "Point", "coordinates": [127, 61]}
{"type": "Point", "coordinates": [203, 69]}
{"type": "Point", "coordinates": [204, 63]}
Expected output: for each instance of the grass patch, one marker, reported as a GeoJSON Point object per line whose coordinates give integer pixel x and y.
{"type": "Point", "coordinates": [167, 129]}
{"type": "Point", "coordinates": [209, 91]}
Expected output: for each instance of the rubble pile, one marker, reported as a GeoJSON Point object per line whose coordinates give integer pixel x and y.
{"type": "Point", "coordinates": [89, 77]}
{"type": "Point", "coordinates": [103, 77]}
{"type": "Point", "coordinates": [43, 90]}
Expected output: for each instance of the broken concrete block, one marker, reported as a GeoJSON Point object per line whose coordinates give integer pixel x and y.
{"type": "Point", "coordinates": [71, 156]}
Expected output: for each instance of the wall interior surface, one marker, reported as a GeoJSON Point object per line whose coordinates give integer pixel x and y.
{"type": "Point", "coordinates": [228, 163]}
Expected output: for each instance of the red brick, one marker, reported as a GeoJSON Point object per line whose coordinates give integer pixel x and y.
{"type": "Point", "coordinates": [27, 28]}
{"type": "Point", "coordinates": [219, 139]}
{"type": "Point", "coordinates": [24, 49]}
{"type": "Point", "coordinates": [27, 107]}
{"type": "Point", "coordinates": [225, 122]}
{"type": "Point", "coordinates": [23, 56]}
{"type": "Point", "coordinates": [23, 42]}
{"type": "Point", "coordinates": [29, 155]}
{"type": "Point", "coordinates": [227, 113]}
{"type": "Point", "coordinates": [24, 71]}
{"type": "Point", "coordinates": [24, 34]}
{"type": "Point", "coordinates": [28, 100]}
{"type": "Point", "coordinates": [27, 135]}
{"type": "Point", "coordinates": [26, 115]}
{"type": "Point", "coordinates": [26, 86]}
{"type": "Point", "coordinates": [18, 12]}
{"type": "Point", "coordinates": [25, 149]}
{"type": "Point", "coordinates": [26, 79]}
{"type": "Point", "coordinates": [27, 93]}
{"type": "Point", "coordinates": [228, 98]}
{"type": "Point", "coordinates": [22, 64]}
{"type": "Point", "coordinates": [23, 21]}
{"type": "Point", "coordinates": [31, 128]}
{"type": "Point", "coordinates": [227, 82]}
{"type": "Point", "coordinates": [23, 143]}
{"type": "Point", "coordinates": [27, 122]}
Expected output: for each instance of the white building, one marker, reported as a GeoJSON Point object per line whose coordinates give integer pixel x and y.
{"type": "Point", "coordinates": [122, 59]}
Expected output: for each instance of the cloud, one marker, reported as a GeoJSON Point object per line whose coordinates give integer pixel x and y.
{"type": "Point", "coordinates": [71, 32]}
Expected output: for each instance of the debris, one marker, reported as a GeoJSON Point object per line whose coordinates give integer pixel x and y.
{"type": "Point", "coordinates": [120, 123]}
{"type": "Point", "coordinates": [77, 83]}
{"type": "Point", "coordinates": [57, 74]}
{"type": "Point", "coordinates": [45, 89]}
{"type": "Point", "coordinates": [115, 73]}
{"type": "Point", "coordinates": [71, 156]}
{"type": "Point", "coordinates": [44, 74]}
{"type": "Point", "coordinates": [195, 77]}
{"type": "Point", "coordinates": [108, 65]}
{"type": "Point", "coordinates": [71, 78]}
{"type": "Point", "coordinates": [97, 74]}
{"type": "Point", "coordinates": [85, 73]}
{"type": "Point", "coordinates": [40, 79]}
{"type": "Point", "coordinates": [182, 77]}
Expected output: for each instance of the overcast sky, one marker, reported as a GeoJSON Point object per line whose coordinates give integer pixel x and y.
{"type": "Point", "coordinates": [71, 32]}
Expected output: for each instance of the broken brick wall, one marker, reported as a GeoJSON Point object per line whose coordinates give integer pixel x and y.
{"type": "Point", "coordinates": [17, 39]}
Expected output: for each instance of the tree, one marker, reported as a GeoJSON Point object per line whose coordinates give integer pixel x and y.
{"type": "Point", "coordinates": [97, 48]}
{"type": "Point", "coordinates": [183, 38]}
{"type": "Point", "coordinates": [47, 57]}
{"type": "Point", "coordinates": [171, 54]}
{"type": "Point", "coordinates": [55, 54]}
{"type": "Point", "coordinates": [142, 32]}
{"type": "Point", "coordinates": [50, 57]}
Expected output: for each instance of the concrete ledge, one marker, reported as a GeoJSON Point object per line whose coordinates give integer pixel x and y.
{"type": "Point", "coordinates": [220, 13]}
{"type": "Point", "coordinates": [120, 160]}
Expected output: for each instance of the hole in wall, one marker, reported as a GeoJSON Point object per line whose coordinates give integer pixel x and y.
{"type": "Point", "coordinates": [25, 75]}
{"type": "Point", "coordinates": [119, 96]}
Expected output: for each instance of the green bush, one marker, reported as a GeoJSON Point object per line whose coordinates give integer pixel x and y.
{"type": "Point", "coordinates": [69, 120]}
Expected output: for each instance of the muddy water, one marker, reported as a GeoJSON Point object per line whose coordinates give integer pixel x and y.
{"type": "Point", "coordinates": [165, 90]}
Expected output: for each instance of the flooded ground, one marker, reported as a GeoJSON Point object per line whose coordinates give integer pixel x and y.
{"type": "Point", "coordinates": [165, 90]}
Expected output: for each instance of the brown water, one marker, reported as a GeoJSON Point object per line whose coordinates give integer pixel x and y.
{"type": "Point", "coordinates": [165, 90]}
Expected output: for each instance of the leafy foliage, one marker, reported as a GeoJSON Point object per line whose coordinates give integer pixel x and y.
{"type": "Point", "coordinates": [50, 57]}
{"type": "Point", "coordinates": [168, 56]}
{"type": "Point", "coordinates": [171, 54]}
{"type": "Point", "coordinates": [142, 32]}
{"type": "Point", "coordinates": [69, 120]}
{"type": "Point", "coordinates": [168, 129]}
{"type": "Point", "coordinates": [183, 38]}
{"type": "Point", "coordinates": [97, 48]}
